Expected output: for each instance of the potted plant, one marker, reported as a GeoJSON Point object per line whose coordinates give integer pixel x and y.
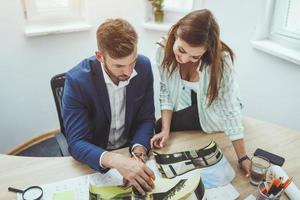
{"type": "Point", "coordinates": [157, 8]}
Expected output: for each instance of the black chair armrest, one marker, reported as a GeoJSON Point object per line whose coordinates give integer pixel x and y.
{"type": "Point", "coordinates": [63, 145]}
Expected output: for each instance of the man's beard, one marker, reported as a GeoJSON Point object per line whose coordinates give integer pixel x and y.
{"type": "Point", "coordinates": [123, 78]}
{"type": "Point", "coordinates": [113, 76]}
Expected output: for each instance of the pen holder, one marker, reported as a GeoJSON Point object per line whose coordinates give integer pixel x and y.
{"type": "Point", "coordinates": [262, 192]}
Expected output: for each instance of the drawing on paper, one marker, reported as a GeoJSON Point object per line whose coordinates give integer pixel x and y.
{"type": "Point", "coordinates": [164, 189]}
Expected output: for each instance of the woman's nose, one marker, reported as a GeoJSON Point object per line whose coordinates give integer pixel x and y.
{"type": "Point", "coordinates": [184, 58]}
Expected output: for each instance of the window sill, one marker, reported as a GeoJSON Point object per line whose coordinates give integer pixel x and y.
{"type": "Point", "coordinates": [40, 30]}
{"type": "Point", "coordinates": [276, 49]}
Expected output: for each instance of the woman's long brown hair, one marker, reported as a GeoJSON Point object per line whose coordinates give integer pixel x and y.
{"type": "Point", "coordinates": [199, 29]}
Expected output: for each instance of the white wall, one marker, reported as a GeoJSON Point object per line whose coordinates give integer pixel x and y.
{"type": "Point", "coordinates": [27, 64]}
{"type": "Point", "coordinates": [269, 86]}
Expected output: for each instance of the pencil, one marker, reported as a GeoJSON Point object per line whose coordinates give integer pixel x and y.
{"type": "Point", "coordinates": [287, 183]}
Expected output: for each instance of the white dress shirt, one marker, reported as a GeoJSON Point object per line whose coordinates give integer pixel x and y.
{"type": "Point", "coordinates": [117, 99]}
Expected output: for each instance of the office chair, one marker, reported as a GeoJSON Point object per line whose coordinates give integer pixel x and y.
{"type": "Point", "coordinates": [57, 86]}
{"type": "Point", "coordinates": [44, 145]}
{"type": "Point", "coordinates": [51, 144]}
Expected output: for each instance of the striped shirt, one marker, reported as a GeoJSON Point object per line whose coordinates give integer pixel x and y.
{"type": "Point", "coordinates": [224, 114]}
{"type": "Point", "coordinates": [185, 100]}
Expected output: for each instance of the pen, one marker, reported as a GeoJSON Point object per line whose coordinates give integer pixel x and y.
{"type": "Point", "coordinates": [140, 158]}
{"type": "Point", "coordinates": [275, 187]}
{"type": "Point", "coordinates": [287, 183]}
{"type": "Point", "coordinates": [264, 188]}
{"type": "Point", "coordinates": [271, 188]}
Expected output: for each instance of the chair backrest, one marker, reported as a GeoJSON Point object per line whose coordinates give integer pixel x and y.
{"type": "Point", "coordinates": [57, 86]}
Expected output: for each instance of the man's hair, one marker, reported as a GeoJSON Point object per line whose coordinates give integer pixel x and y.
{"type": "Point", "coordinates": [117, 38]}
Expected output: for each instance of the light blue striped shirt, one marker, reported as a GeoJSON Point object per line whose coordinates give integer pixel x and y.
{"type": "Point", "coordinates": [224, 114]}
{"type": "Point", "coordinates": [185, 99]}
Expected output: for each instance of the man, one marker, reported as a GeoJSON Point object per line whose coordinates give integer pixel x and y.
{"type": "Point", "coordinates": [108, 104]}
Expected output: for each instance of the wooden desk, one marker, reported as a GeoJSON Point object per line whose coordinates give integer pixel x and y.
{"type": "Point", "coordinates": [22, 172]}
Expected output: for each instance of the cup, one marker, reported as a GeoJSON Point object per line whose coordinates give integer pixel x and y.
{"type": "Point", "coordinates": [262, 192]}
{"type": "Point", "coordinates": [258, 170]}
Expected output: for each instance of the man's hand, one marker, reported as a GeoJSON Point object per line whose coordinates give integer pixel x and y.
{"type": "Point", "coordinates": [159, 140]}
{"type": "Point", "coordinates": [141, 153]}
{"type": "Point", "coordinates": [136, 172]}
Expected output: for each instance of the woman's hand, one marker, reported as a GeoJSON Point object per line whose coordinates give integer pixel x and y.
{"type": "Point", "coordinates": [240, 150]}
{"type": "Point", "coordinates": [245, 166]}
{"type": "Point", "coordinates": [159, 140]}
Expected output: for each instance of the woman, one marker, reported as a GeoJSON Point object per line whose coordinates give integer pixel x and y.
{"type": "Point", "coordinates": [198, 87]}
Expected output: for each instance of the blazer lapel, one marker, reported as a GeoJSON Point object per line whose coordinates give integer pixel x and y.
{"type": "Point", "coordinates": [101, 89]}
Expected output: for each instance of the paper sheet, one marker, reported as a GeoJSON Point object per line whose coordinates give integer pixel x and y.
{"type": "Point", "coordinates": [69, 195]}
{"type": "Point", "coordinates": [78, 186]}
{"type": "Point", "coordinates": [227, 192]}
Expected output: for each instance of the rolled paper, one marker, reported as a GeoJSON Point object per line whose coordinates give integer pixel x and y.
{"type": "Point", "coordinates": [291, 191]}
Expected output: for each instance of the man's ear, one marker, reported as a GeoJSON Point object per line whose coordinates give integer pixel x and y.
{"type": "Point", "coordinates": [99, 56]}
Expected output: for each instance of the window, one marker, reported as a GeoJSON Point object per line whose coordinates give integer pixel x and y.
{"type": "Point", "coordinates": [286, 23]}
{"type": "Point", "coordinates": [279, 30]}
{"type": "Point", "coordinates": [54, 16]}
{"type": "Point", "coordinates": [293, 14]}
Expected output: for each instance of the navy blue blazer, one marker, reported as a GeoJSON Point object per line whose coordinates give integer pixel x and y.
{"type": "Point", "coordinates": [87, 114]}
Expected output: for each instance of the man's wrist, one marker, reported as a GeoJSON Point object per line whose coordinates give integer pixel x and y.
{"type": "Point", "coordinates": [101, 159]}
{"type": "Point", "coordinates": [107, 160]}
